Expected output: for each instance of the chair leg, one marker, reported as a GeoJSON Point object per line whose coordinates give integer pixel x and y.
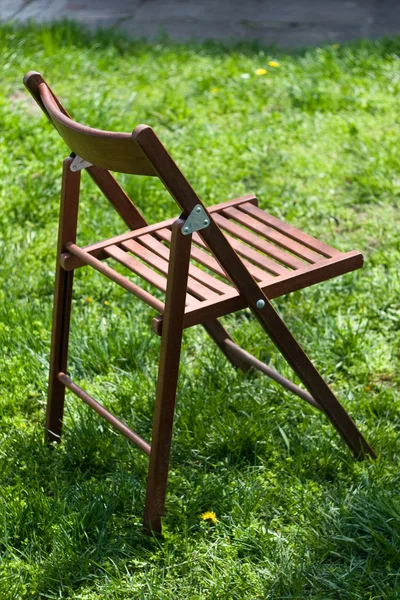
{"type": "Point", "coordinates": [59, 353]}
{"type": "Point", "coordinates": [279, 333]}
{"type": "Point", "coordinates": [313, 381]}
{"type": "Point", "coordinates": [171, 340]}
{"type": "Point", "coordinates": [62, 302]}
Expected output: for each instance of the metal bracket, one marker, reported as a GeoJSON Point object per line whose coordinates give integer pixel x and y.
{"type": "Point", "coordinates": [197, 220]}
{"type": "Point", "coordinates": [79, 163]}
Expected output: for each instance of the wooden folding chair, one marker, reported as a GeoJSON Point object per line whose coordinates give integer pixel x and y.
{"type": "Point", "coordinates": [256, 256]}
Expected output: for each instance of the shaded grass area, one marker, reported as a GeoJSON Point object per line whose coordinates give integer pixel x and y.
{"type": "Point", "coordinates": [316, 139]}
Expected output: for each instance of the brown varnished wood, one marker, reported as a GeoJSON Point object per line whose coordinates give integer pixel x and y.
{"type": "Point", "coordinates": [125, 283]}
{"type": "Point", "coordinates": [203, 258]}
{"type": "Point", "coordinates": [290, 231]}
{"type": "Point", "coordinates": [212, 282]}
{"type": "Point", "coordinates": [108, 185]}
{"type": "Point", "coordinates": [267, 265]}
{"type": "Point", "coordinates": [260, 255]}
{"type": "Point", "coordinates": [112, 151]}
{"type": "Point", "coordinates": [62, 303]}
{"type": "Point", "coordinates": [251, 360]}
{"type": "Point", "coordinates": [184, 194]}
{"type": "Point", "coordinates": [272, 288]}
{"type": "Point", "coordinates": [104, 180]}
{"type": "Point", "coordinates": [195, 287]}
{"type": "Point", "coordinates": [109, 150]}
{"type": "Point", "coordinates": [273, 235]}
{"type": "Point", "coordinates": [206, 259]}
{"type": "Point", "coordinates": [32, 81]}
{"type": "Point", "coordinates": [167, 378]}
{"type": "Point", "coordinates": [138, 268]}
{"type": "Point", "coordinates": [70, 262]}
{"type": "Point", "coordinates": [121, 427]}
{"type": "Point", "coordinates": [256, 242]}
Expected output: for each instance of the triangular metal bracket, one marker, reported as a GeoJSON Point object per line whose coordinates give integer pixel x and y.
{"type": "Point", "coordinates": [197, 220]}
{"type": "Point", "coordinates": [79, 163]}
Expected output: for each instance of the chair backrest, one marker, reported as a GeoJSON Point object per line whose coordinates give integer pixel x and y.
{"type": "Point", "coordinates": [118, 152]}
{"type": "Point", "coordinates": [138, 153]}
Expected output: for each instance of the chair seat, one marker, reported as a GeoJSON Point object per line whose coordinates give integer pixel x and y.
{"type": "Point", "coordinates": [261, 254]}
{"type": "Point", "coordinates": [280, 257]}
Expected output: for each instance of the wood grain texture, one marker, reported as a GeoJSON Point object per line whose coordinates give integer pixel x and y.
{"type": "Point", "coordinates": [255, 241]}
{"type": "Point", "coordinates": [274, 288]}
{"type": "Point", "coordinates": [212, 282]}
{"type": "Point", "coordinates": [108, 150]}
{"type": "Point", "coordinates": [97, 249]}
{"type": "Point", "coordinates": [195, 287]}
{"type": "Point", "coordinates": [167, 378]}
{"type": "Point", "coordinates": [284, 241]}
{"type": "Point", "coordinates": [257, 259]}
{"type": "Point", "coordinates": [62, 303]}
{"type": "Point", "coordinates": [289, 230]}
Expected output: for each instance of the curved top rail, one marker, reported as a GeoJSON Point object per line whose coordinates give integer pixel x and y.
{"type": "Point", "coordinates": [114, 151]}
{"type": "Point", "coordinates": [57, 116]}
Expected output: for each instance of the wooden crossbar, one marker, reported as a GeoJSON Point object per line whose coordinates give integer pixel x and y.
{"type": "Point", "coordinates": [122, 428]}
{"type": "Point", "coordinates": [134, 289]}
{"type": "Point", "coordinates": [260, 366]}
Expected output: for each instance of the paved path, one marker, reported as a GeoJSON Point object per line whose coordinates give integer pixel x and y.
{"type": "Point", "coordinates": [286, 23]}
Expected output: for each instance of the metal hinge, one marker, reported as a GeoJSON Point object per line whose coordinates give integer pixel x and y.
{"type": "Point", "coordinates": [79, 163]}
{"type": "Point", "coordinates": [197, 220]}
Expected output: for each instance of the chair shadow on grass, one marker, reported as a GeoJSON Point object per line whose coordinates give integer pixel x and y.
{"type": "Point", "coordinates": [86, 495]}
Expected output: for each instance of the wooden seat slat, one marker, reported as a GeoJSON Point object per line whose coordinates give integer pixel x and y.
{"type": "Point", "coordinates": [198, 255]}
{"type": "Point", "coordinates": [194, 287]}
{"type": "Point", "coordinates": [256, 257]}
{"type": "Point", "coordinates": [247, 236]}
{"type": "Point", "coordinates": [142, 270]}
{"type": "Point", "coordinates": [273, 235]}
{"type": "Point", "coordinates": [290, 231]}
{"type": "Point", "coordinates": [212, 282]}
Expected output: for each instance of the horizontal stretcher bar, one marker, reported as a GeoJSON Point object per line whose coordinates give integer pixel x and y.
{"type": "Point", "coordinates": [128, 433]}
{"type": "Point", "coordinates": [128, 285]}
{"type": "Point", "coordinates": [251, 360]}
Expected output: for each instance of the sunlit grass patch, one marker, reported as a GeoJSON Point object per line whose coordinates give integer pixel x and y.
{"type": "Point", "coordinates": [315, 137]}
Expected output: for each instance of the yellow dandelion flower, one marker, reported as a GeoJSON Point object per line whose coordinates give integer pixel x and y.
{"type": "Point", "coordinates": [273, 63]}
{"type": "Point", "coordinates": [335, 46]}
{"type": "Point", "coordinates": [89, 299]}
{"type": "Point", "coordinates": [106, 302]}
{"type": "Point", "coordinates": [215, 90]}
{"type": "Point", "coordinates": [209, 515]}
{"type": "Point", "coordinates": [261, 71]}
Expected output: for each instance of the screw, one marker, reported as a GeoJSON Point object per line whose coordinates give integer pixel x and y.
{"type": "Point", "coordinates": [260, 303]}
{"type": "Point", "coordinates": [198, 209]}
{"type": "Point", "coordinates": [205, 222]}
{"type": "Point", "coordinates": [186, 229]}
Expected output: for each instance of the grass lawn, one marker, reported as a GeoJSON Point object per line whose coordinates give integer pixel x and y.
{"type": "Point", "coordinates": [316, 138]}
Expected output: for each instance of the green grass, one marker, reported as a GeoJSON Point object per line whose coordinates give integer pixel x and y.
{"type": "Point", "coordinates": [316, 139]}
